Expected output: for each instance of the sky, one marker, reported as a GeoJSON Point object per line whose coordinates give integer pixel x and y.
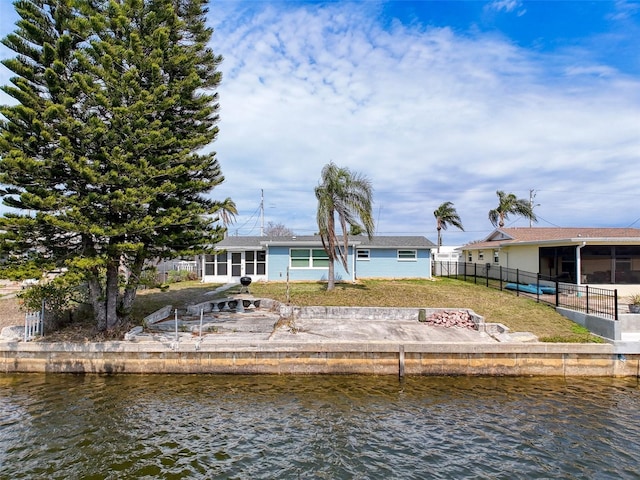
{"type": "Point", "coordinates": [432, 101]}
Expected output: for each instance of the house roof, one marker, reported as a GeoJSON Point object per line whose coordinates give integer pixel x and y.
{"type": "Point", "coordinates": [552, 235]}
{"type": "Point", "coordinates": [257, 242]}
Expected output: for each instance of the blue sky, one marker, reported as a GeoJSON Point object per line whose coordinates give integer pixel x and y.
{"type": "Point", "coordinates": [433, 102]}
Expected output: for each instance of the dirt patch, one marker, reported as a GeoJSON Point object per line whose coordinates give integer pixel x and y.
{"type": "Point", "coordinates": [10, 312]}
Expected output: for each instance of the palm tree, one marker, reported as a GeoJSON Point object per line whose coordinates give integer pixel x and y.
{"type": "Point", "coordinates": [226, 211]}
{"type": "Point", "coordinates": [349, 195]}
{"type": "Point", "coordinates": [510, 204]}
{"type": "Point", "coordinates": [446, 215]}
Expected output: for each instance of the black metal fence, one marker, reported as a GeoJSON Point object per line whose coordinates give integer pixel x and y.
{"type": "Point", "coordinates": [549, 290]}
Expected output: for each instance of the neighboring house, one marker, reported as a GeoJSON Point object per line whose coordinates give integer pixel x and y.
{"type": "Point", "coordinates": [446, 254]}
{"type": "Point", "coordinates": [576, 255]}
{"type": "Point", "coordinates": [303, 258]}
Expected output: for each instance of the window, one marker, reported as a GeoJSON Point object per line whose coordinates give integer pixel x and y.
{"type": "Point", "coordinates": [363, 254]}
{"type": "Point", "coordinates": [319, 258]}
{"type": "Point", "coordinates": [407, 255]}
{"type": "Point", "coordinates": [255, 262]}
{"type": "Point", "coordinates": [480, 255]}
{"type": "Point", "coordinates": [309, 258]}
{"type": "Point", "coordinates": [215, 264]}
{"type": "Point", "coordinates": [300, 258]}
{"type": "Point", "coordinates": [496, 256]}
{"type": "Point", "coordinates": [470, 256]}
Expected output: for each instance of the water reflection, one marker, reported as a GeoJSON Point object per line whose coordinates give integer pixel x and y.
{"type": "Point", "coordinates": [317, 427]}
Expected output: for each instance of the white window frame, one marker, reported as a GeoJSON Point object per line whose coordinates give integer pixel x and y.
{"type": "Point", "coordinates": [470, 256]}
{"type": "Point", "coordinates": [363, 254]}
{"type": "Point", "coordinates": [496, 256]}
{"type": "Point", "coordinates": [413, 252]}
{"type": "Point", "coordinates": [480, 255]}
{"type": "Point", "coordinates": [256, 262]}
{"type": "Point", "coordinates": [215, 261]}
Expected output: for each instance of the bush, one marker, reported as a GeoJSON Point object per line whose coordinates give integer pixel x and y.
{"type": "Point", "coordinates": [175, 276]}
{"type": "Point", "coordinates": [149, 278]}
{"type": "Point", "coordinates": [60, 296]}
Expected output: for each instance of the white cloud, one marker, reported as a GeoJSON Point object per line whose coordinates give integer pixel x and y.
{"type": "Point", "coordinates": [427, 115]}
{"type": "Point", "coordinates": [624, 9]}
{"type": "Point", "coordinates": [507, 6]}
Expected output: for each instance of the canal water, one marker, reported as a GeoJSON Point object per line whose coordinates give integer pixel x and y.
{"type": "Point", "coordinates": [326, 427]}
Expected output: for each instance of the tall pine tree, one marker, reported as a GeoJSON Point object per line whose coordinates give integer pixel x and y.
{"type": "Point", "coordinates": [101, 155]}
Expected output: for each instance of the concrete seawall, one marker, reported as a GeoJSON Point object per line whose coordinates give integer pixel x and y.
{"type": "Point", "coordinates": [376, 358]}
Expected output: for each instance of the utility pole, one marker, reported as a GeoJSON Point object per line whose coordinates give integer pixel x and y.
{"type": "Point", "coordinates": [262, 212]}
{"type": "Point", "coordinates": [532, 195]}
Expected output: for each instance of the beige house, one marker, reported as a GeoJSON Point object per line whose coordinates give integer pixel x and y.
{"type": "Point", "coordinates": [576, 255]}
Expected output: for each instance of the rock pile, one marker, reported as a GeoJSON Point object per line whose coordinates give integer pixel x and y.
{"type": "Point", "coordinates": [451, 318]}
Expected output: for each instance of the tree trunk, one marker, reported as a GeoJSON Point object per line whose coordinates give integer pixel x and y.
{"type": "Point", "coordinates": [129, 296]}
{"type": "Point", "coordinates": [111, 299]}
{"type": "Point", "coordinates": [439, 239]}
{"type": "Point", "coordinates": [331, 234]}
{"type": "Point", "coordinates": [96, 297]}
{"type": "Point", "coordinates": [331, 281]}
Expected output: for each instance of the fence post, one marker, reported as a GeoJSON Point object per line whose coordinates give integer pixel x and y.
{"type": "Point", "coordinates": [557, 292]}
{"type": "Point", "coordinates": [615, 303]}
{"type": "Point", "coordinates": [42, 318]}
{"type": "Point", "coordinates": [587, 295]}
{"type": "Point", "coordinates": [517, 282]}
{"type": "Point", "coordinates": [500, 272]}
{"type": "Point", "coordinates": [475, 273]}
{"type": "Point", "coordinates": [538, 287]}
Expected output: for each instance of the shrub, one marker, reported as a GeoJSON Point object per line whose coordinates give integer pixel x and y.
{"type": "Point", "coordinates": [175, 276]}
{"type": "Point", "coordinates": [60, 296]}
{"type": "Point", "coordinates": [149, 278]}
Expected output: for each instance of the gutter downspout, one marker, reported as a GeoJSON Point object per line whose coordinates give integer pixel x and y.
{"type": "Point", "coordinates": [579, 264]}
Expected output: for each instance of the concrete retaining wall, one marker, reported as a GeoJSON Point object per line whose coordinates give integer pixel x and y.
{"type": "Point", "coordinates": [603, 327]}
{"type": "Point", "coordinates": [335, 358]}
{"type": "Point", "coordinates": [372, 313]}
{"type": "Point", "coordinates": [607, 328]}
{"type": "Point", "coordinates": [629, 322]}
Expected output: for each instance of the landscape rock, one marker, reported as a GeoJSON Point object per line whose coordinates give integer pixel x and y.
{"type": "Point", "coordinates": [12, 333]}
{"type": "Point", "coordinates": [451, 318]}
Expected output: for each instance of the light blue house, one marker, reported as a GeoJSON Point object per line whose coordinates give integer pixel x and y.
{"type": "Point", "coordinates": [303, 258]}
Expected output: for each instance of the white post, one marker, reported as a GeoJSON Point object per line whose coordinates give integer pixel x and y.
{"type": "Point", "coordinates": [201, 316]}
{"type": "Point", "coordinates": [42, 319]}
{"type": "Point", "coordinates": [176, 317]}
{"type": "Point", "coordinates": [579, 264]}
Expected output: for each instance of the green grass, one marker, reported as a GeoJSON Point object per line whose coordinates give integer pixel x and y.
{"type": "Point", "coordinates": [520, 314]}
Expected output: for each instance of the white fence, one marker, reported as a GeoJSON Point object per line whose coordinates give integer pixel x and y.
{"type": "Point", "coordinates": [33, 325]}
{"type": "Point", "coordinates": [184, 265]}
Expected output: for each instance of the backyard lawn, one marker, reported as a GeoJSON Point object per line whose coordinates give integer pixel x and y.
{"type": "Point", "coordinates": [520, 314]}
